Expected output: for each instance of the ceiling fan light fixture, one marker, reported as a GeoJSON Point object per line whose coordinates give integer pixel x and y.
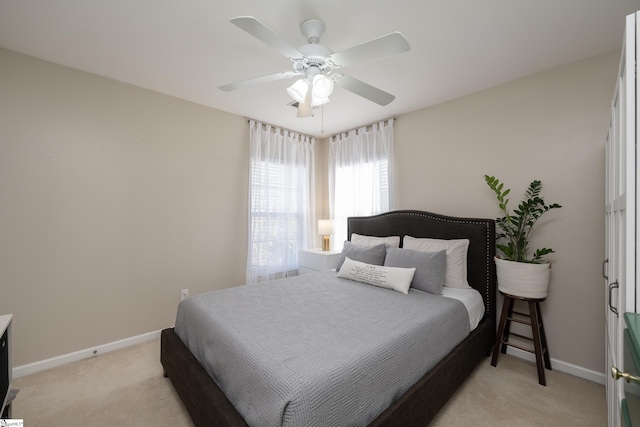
{"type": "Point", "coordinates": [305, 108]}
{"type": "Point", "coordinates": [298, 90]}
{"type": "Point", "coordinates": [322, 86]}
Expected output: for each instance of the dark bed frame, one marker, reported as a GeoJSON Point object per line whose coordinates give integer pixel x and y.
{"type": "Point", "coordinates": [208, 406]}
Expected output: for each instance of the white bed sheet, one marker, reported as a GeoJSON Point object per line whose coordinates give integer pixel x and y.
{"type": "Point", "coordinates": [471, 299]}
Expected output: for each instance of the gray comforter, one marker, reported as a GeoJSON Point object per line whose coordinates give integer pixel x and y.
{"type": "Point", "coordinates": [316, 350]}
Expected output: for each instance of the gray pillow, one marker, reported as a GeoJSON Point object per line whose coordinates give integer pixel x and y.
{"type": "Point", "coordinates": [430, 267]}
{"type": "Point", "coordinates": [370, 255]}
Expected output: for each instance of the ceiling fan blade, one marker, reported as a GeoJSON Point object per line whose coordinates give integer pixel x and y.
{"type": "Point", "coordinates": [381, 47]}
{"type": "Point", "coordinates": [304, 108]}
{"type": "Point", "coordinates": [257, 29]}
{"type": "Point", "coordinates": [256, 80]}
{"type": "Point", "coordinates": [363, 89]}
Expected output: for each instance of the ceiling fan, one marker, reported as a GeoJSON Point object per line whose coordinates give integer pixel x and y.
{"type": "Point", "coordinates": [318, 65]}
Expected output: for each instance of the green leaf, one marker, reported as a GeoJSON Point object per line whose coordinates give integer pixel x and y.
{"type": "Point", "coordinates": [514, 228]}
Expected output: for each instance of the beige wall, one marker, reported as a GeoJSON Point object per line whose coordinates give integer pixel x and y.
{"type": "Point", "coordinates": [550, 126]}
{"type": "Point", "coordinates": [112, 199]}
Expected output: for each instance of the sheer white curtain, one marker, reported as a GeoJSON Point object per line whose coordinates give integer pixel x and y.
{"type": "Point", "coordinates": [360, 175]}
{"type": "Point", "coordinates": [281, 201]}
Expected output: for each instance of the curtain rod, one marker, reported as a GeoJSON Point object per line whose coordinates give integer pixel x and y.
{"type": "Point", "coordinates": [280, 128]}
{"type": "Point", "coordinates": [367, 126]}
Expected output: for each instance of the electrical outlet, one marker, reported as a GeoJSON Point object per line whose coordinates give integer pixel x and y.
{"type": "Point", "coordinates": [184, 294]}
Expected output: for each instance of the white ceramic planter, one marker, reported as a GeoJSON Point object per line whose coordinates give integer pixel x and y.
{"type": "Point", "coordinates": [523, 279]}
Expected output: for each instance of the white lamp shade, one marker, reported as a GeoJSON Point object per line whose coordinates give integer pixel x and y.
{"type": "Point", "coordinates": [325, 227]}
{"type": "Point", "coordinates": [322, 86]}
{"type": "Point", "coordinates": [298, 90]}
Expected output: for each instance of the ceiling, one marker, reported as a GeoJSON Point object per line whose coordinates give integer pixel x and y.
{"type": "Point", "coordinates": [187, 48]}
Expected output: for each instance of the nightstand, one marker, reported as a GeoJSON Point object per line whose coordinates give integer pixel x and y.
{"type": "Point", "coordinates": [311, 260]}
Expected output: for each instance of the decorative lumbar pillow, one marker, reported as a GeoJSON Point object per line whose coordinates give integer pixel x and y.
{"type": "Point", "coordinates": [456, 273]}
{"type": "Point", "coordinates": [360, 240]}
{"type": "Point", "coordinates": [397, 279]}
{"type": "Point", "coordinates": [371, 255]}
{"type": "Point", "coordinates": [430, 267]}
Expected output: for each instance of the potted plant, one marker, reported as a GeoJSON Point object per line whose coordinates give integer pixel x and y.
{"type": "Point", "coordinates": [519, 273]}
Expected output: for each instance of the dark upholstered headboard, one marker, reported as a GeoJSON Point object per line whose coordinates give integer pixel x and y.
{"type": "Point", "coordinates": [481, 233]}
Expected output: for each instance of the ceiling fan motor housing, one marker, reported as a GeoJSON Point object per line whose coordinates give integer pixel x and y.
{"type": "Point", "coordinates": [315, 56]}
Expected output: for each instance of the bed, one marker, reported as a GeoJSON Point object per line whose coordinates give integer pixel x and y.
{"type": "Point", "coordinates": [420, 402]}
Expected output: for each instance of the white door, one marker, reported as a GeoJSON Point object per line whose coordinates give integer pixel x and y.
{"type": "Point", "coordinates": [620, 264]}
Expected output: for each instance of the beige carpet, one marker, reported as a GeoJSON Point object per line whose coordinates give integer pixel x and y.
{"type": "Point", "coordinates": [126, 388]}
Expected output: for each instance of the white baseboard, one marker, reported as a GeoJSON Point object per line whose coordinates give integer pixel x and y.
{"type": "Point", "coordinates": [32, 368]}
{"type": "Point", "coordinates": [575, 370]}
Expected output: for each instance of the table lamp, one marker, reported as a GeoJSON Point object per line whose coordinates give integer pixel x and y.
{"type": "Point", "coordinates": [325, 228]}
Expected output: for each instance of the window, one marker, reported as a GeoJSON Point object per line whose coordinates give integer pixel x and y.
{"type": "Point", "coordinates": [362, 189]}
{"type": "Point", "coordinates": [280, 201]}
{"type": "Point", "coordinates": [360, 175]}
{"type": "Point", "coordinates": [276, 217]}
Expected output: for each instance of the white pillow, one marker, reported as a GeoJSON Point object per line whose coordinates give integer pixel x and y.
{"type": "Point", "coordinates": [456, 250]}
{"type": "Point", "coordinates": [366, 241]}
{"type": "Point", "coordinates": [395, 278]}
